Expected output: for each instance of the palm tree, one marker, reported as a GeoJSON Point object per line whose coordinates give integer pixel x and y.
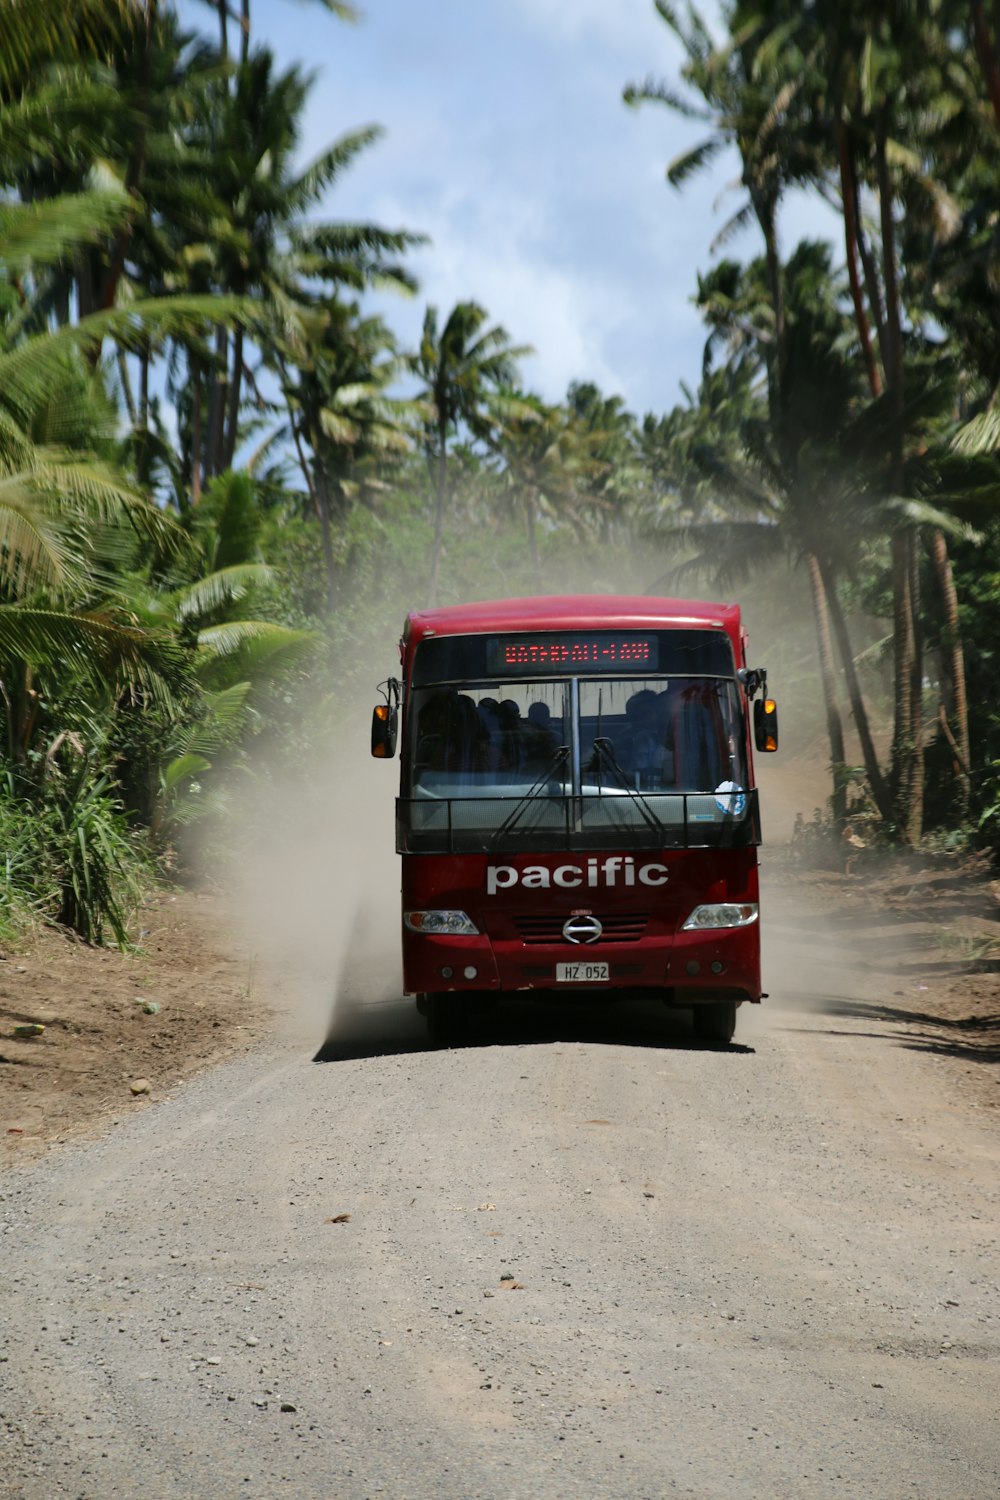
{"type": "Point", "coordinates": [254, 236]}
{"type": "Point", "coordinates": [541, 453]}
{"type": "Point", "coordinates": [336, 369]}
{"type": "Point", "coordinates": [745, 92]}
{"type": "Point", "coordinates": [460, 366]}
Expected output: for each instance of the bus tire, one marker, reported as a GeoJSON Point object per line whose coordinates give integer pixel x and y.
{"type": "Point", "coordinates": [447, 1019]}
{"type": "Point", "coordinates": [715, 1022]}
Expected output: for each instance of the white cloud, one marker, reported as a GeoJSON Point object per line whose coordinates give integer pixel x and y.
{"type": "Point", "coordinates": [494, 252]}
{"type": "Point", "coordinates": [623, 23]}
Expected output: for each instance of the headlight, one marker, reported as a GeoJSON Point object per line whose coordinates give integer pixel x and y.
{"type": "Point", "coordinates": [727, 914]}
{"type": "Point", "coordinates": [447, 923]}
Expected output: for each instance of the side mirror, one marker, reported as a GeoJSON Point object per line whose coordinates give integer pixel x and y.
{"type": "Point", "coordinates": [765, 724]}
{"type": "Point", "coordinates": [385, 725]}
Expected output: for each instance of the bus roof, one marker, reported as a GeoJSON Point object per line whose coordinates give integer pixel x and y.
{"type": "Point", "coordinates": [573, 612]}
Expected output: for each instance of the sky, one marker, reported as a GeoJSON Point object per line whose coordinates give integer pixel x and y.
{"type": "Point", "coordinates": [543, 196]}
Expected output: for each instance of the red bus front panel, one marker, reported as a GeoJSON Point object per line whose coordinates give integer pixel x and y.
{"type": "Point", "coordinates": [637, 901]}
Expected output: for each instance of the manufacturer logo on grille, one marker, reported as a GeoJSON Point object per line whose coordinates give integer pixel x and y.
{"type": "Point", "coordinates": [582, 930]}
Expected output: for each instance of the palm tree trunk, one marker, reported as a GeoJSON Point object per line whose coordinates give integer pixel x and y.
{"type": "Point", "coordinates": [441, 492]}
{"type": "Point", "coordinates": [304, 464]}
{"type": "Point", "coordinates": [986, 55]}
{"type": "Point", "coordinates": [20, 704]}
{"type": "Point", "coordinates": [136, 164]}
{"type": "Point", "coordinates": [8, 719]}
{"type": "Point", "coordinates": [144, 363]}
{"type": "Point", "coordinates": [956, 705]}
{"type": "Point", "coordinates": [235, 389]}
{"type": "Point", "coordinates": [217, 403]}
{"type": "Point", "coordinates": [848, 194]}
{"type": "Point", "coordinates": [126, 381]}
{"type": "Point", "coordinates": [876, 781]}
{"type": "Point", "coordinates": [245, 36]}
{"type": "Point", "coordinates": [871, 286]}
{"type": "Point", "coordinates": [86, 272]}
{"type": "Point", "coordinates": [834, 726]}
{"type": "Point", "coordinates": [907, 740]}
{"type": "Point", "coordinates": [196, 455]}
{"type": "Point", "coordinates": [776, 353]}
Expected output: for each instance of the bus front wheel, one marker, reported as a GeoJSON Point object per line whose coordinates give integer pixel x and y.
{"type": "Point", "coordinates": [715, 1022]}
{"type": "Point", "coordinates": [447, 1018]}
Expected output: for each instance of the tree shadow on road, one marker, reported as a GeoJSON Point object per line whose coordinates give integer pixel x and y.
{"type": "Point", "coordinates": [974, 1038]}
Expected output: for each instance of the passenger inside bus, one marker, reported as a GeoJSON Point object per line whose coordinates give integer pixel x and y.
{"type": "Point", "coordinates": [646, 744]}
{"type": "Point", "coordinates": [539, 740]}
{"type": "Point", "coordinates": [452, 736]}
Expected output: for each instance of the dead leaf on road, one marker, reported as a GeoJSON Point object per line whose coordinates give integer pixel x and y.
{"type": "Point", "coordinates": [338, 1219]}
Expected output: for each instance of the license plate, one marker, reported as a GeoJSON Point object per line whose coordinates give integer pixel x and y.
{"type": "Point", "coordinates": [582, 973]}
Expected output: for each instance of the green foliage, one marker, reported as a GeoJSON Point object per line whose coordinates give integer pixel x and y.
{"type": "Point", "coordinates": [98, 867]}
{"type": "Point", "coordinates": [69, 856]}
{"type": "Point", "coordinates": [29, 885]}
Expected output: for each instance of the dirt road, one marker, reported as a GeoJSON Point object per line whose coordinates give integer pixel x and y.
{"type": "Point", "coordinates": [582, 1259]}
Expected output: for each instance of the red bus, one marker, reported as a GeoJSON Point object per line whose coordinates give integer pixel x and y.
{"type": "Point", "coordinates": [577, 810]}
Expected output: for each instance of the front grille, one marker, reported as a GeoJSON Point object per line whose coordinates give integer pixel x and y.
{"type": "Point", "coordinates": [622, 927]}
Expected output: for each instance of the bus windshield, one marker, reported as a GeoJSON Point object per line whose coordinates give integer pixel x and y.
{"type": "Point", "coordinates": [638, 734]}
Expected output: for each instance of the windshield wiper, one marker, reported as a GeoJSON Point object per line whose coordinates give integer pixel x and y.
{"type": "Point", "coordinates": [605, 752]}
{"type": "Point", "coordinates": [558, 760]}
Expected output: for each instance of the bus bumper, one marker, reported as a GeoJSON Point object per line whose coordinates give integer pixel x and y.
{"type": "Point", "coordinates": [694, 965]}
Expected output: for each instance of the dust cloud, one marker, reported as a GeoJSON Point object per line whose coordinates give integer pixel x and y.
{"type": "Point", "coordinates": [808, 962]}
{"type": "Point", "coordinates": [316, 898]}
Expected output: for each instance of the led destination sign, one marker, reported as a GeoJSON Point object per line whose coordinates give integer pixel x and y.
{"type": "Point", "coordinates": [572, 653]}
{"type": "Point", "coordinates": [513, 655]}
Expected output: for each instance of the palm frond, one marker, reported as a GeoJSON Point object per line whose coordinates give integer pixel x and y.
{"type": "Point", "coordinates": [224, 717]}
{"type": "Point", "coordinates": [653, 92]}
{"type": "Point", "coordinates": [183, 768]}
{"type": "Point", "coordinates": [221, 588]}
{"type": "Point", "coordinates": [44, 233]}
{"type": "Point", "coordinates": [35, 550]}
{"type": "Point", "coordinates": [330, 163]}
{"type": "Point", "coordinates": [28, 370]}
{"type": "Point", "coordinates": [260, 640]}
{"type": "Point", "coordinates": [688, 162]}
{"type": "Point", "coordinates": [981, 434]}
{"type": "Point", "coordinates": [92, 644]}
